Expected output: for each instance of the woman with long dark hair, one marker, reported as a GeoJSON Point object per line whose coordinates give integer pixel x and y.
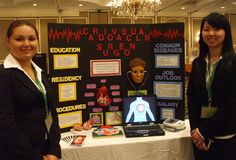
{"type": "Point", "coordinates": [211, 92]}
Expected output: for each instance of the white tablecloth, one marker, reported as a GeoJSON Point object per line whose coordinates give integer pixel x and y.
{"type": "Point", "coordinates": [172, 146]}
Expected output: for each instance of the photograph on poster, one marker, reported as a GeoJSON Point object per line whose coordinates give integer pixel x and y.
{"type": "Point", "coordinates": [69, 119]}
{"type": "Point", "coordinates": [97, 118]}
{"type": "Point", "coordinates": [105, 67]}
{"type": "Point", "coordinates": [65, 61]}
{"type": "Point", "coordinates": [67, 91]}
{"type": "Point", "coordinates": [114, 118]}
{"type": "Point", "coordinates": [167, 61]}
{"type": "Point", "coordinates": [167, 113]}
{"type": "Point", "coordinates": [168, 90]}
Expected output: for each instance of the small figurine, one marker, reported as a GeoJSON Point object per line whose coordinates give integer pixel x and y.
{"type": "Point", "coordinates": [103, 98]}
{"type": "Point", "coordinates": [77, 127]}
{"type": "Point", "coordinates": [88, 124]}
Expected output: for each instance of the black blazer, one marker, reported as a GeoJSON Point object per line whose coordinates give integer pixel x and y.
{"type": "Point", "coordinates": [223, 97]}
{"type": "Point", "coordinates": [22, 116]}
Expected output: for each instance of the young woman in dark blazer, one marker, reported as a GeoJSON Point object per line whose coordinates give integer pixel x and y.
{"type": "Point", "coordinates": [29, 127]}
{"type": "Point", "coordinates": [211, 92]}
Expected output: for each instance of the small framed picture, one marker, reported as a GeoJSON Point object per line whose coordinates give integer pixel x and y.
{"type": "Point", "coordinates": [114, 118]}
{"type": "Point", "coordinates": [97, 118]}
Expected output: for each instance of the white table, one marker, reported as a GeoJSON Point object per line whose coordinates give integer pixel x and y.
{"type": "Point", "coordinates": [172, 146]}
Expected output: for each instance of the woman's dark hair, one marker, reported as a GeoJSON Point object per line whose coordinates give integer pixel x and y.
{"type": "Point", "coordinates": [18, 23]}
{"type": "Point", "coordinates": [218, 21]}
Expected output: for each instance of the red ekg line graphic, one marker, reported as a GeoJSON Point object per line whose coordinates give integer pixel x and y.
{"type": "Point", "coordinates": [66, 34]}
{"type": "Point", "coordinates": [170, 34]}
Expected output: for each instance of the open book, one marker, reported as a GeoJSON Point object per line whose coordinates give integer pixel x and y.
{"type": "Point", "coordinates": [106, 131]}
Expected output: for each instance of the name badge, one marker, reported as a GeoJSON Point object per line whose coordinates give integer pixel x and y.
{"type": "Point", "coordinates": [208, 112]}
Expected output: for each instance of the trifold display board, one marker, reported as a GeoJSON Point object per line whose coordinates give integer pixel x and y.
{"type": "Point", "coordinates": [89, 69]}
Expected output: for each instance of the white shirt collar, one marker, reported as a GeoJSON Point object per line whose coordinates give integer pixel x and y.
{"type": "Point", "coordinates": [11, 62]}
{"type": "Point", "coordinates": [207, 59]}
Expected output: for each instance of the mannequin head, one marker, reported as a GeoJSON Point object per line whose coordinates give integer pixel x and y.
{"type": "Point", "coordinates": [137, 69]}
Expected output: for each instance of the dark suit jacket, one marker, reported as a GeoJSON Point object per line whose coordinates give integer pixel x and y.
{"type": "Point", "coordinates": [22, 116]}
{"type": "Point", "coordinates": [223, 97]}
